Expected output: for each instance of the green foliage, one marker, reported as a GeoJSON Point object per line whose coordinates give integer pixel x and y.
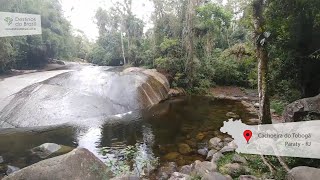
{"type": "Point", "coordinates": [278, 106]}
{"type": "Point", "coordinates": [56, 40]}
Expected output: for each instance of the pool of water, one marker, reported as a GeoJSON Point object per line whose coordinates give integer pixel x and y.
{"type": "Point", "coordinates": [138, 141]}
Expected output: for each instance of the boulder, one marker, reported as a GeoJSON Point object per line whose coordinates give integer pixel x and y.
{"type": "Point", "coordinates": [179, 176]}
{"type": "Point", "coordinates": [203, 168]}
{"type": "Point", "coordinates": [203, 152]}
{"type": "Point", "coordinates": [126, 177]}
{"type": "Point", "coordinates": [50, 149]}
{"type": "Point", "coordinates": [166, 170]}
{"type": "Point", "coordinates": [300, 109]}
{"type": "Point", "coordinates": [186, 169]}
{"type": "Point", "coordinates": [216, 157]}
{"type": "Point", "coordinates": [303, 173]}
{"type": "Point", "coordinates": [227, 139]}
{"type": "Point", "coordinates": [233, 169]}
{"type": "Point", "coordinates": [229, 148]}
{"type": "Point", "coordinates": [77, 164]}
{"type": "Point", "coordinates": [215, 143]}
{"type": "Point", "coordinates": [247, 177]}
{"type": "Point", "coordinates": [211, 153]}
{"type": "Point", "coordinates": [238, 159]}
{"type": "Point", "coordinates": [177, 92]}
{"type": "Point", "coordinates": [215, 176]}
{"type": "Point", "coordinates": [232, 115]}
{"type": "Point", "coordinates": [184, 148]}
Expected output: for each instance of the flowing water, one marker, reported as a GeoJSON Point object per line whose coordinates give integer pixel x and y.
{"type": "Point", "coordinates": [151, 135]}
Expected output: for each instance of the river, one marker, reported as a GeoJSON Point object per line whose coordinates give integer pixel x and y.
{"type": "Point", "coordinates": [96, 108]}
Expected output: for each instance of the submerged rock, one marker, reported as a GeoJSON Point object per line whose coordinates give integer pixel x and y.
{"type": "Point", "coordinates": [171, 156]}
{"type": "Point", "coordinates": [200, 136]}
{"type": "Point", "coordinates": [78, 164]}
{"type": "Point", "coordinates": [11, 169]}
{"type": "Point", "coordinates": [303, 173]}
{"type": "Point", "coordinates": [48, 149]}
{"type": "Point", "coordinates": [184, 148]}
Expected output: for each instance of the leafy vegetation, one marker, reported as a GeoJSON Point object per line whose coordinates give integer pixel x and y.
{"type": "Point", "coordinates": [56, 41]}
{"type": "Point", "coordinates": [197, 44]}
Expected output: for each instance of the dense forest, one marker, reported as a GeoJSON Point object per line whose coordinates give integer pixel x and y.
{"type": "Point", "coordinates": [56, 42]}
{"type": "Point", "coordinates": [196, 43]}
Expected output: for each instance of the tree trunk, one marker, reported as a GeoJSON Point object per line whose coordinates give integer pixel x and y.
{"type": "Point", "coordinates": [262, 55]}
{"type": "Point", "coordinates": [189, 69]}
{"type": "Point", "coordinates": [122, 47]}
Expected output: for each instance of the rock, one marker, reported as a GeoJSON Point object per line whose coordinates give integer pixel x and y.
{"type": "Point", "coordinates": [203, 168]}
{"type": "Point", "coordinates": [191, 143]}
{"type": "Point", "coordinates": [77, 164]}
{"type": "Point", "coordinates": [179, 176]}
{"type": "Point", "coordinates": [229, 148]}
{"type": "Point", "coordinates": [126, 177]}
{"type": "Point", "coordinates": [203, 152]}
{"type": "Point", "coordinates": [303, 173]}
{"type": "Point", "coordinates": [254, 121]}
{"type": "Point", "coordinates": [50, 149]}
{"type": "Point", "coordinates": [239, 159]}
{"type": "Point", "coordinates": [177, 92]}
{"type": "Point", "coordinates": [233, 169]}
{"type": "Point", "coordinates": [211, 153]}
{"type": "Point", "coordinates": [215, 143]}
{"type": "Point", "coordinates": [256, 105]}
{"type": "Point", "coordinates": [11, 169]}
{"type": "Point", "coordinates": [1, 159]}
{"type": "Point", "coordinates": [216, 157]}
{"type": "Point", "coordinates": [227, 139]}
{"type": "Point", "coordinates": [300, 109]}
{"type": "Point", "coordinates": [272, 111]}
{"type": "Point", "coordinates": [171, 156]}
{"type": "Point", "coordinates": [214, 176]}
{"type": "Point", "coordinates": [247, 177]}
{"type": "Point", "coordinates": [232, 115]}
{"type": "Point", "coordinates": [186, 169]}
{"type": "Point", "coordinates": [184, 148]}
{"type": "Point", "coordinates": [200, 136]}
{"type": "Point", "coordinates": [166, 170]}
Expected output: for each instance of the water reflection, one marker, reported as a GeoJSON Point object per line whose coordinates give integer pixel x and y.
{"type": "Point", "coordinates": [150, 134]}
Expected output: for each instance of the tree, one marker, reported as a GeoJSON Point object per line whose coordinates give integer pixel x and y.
{"type": "Point", "coordinates": [260, 37]}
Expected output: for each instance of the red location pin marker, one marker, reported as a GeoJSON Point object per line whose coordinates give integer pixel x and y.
{"type": "Point", "coordinates": [247, 135]}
